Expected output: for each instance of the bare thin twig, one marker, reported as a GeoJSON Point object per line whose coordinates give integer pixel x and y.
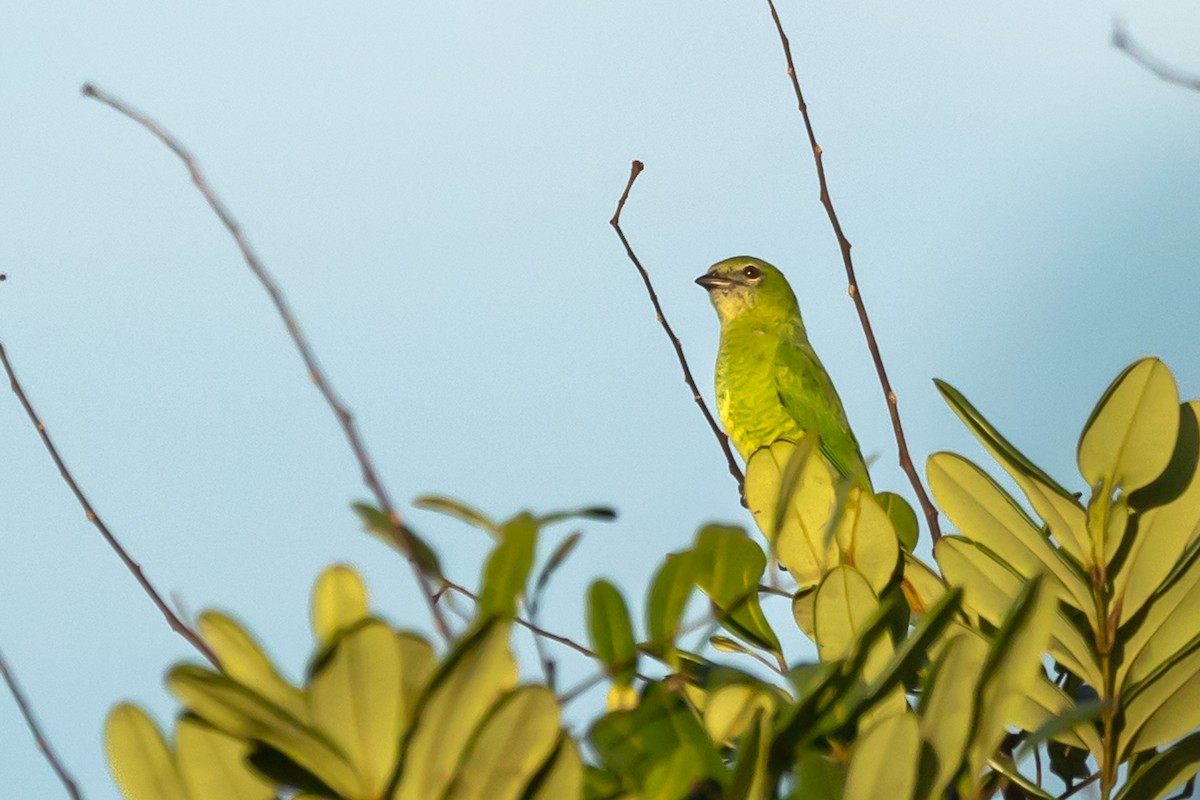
{"type": "Point", "coordinates": [403, 534]}
{"type": "Point", "coordinates": [1122, 41]}
{"type": "Point", "coordinates": [545, 634]}
{"type": "Point", "coordinates": [177, 624]}
{"type": "Point", "coordinates": [39, 738]}
{"type": "Point", "coordinates": [906, 462]}
{"type": "Point", "coordinates": [635, 169]}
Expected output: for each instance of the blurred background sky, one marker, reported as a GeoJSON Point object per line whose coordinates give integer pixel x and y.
{"type": "Point", "coordinates": [431, 184]}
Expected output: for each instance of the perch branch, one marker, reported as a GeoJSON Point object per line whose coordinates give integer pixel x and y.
{"type": "Point", "coordinates": [906, 462]}
{"type": "Point", "coordinates": [39, 738]}
{"type": "Point", "coordinates": [1122, 41]}
{"type": "Point", "coordinates": [635, 170]}
{"type": "Point", "coordinates": [403, 534]}
{"type": "Point", "coordinates": [177, 624]}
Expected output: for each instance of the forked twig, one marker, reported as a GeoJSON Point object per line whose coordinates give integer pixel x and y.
{"type": "Point", "coordinates": [404, 535]}
{"type": "Point", "coordinates": [39, 738]}
{"type": "Point", "coordinates": [177, 624]}
{"type": "Point", "coordinates": [906, 462]}
{"type": "Point", "coordinates": [1122, 41]}
{"type": "Point", "coordinates": [538, 631]}
{"type": "Point", "coordinates": [635, 170]}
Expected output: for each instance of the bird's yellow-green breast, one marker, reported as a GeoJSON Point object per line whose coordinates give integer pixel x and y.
{"type": "Point", "coordinates": [770, 384]}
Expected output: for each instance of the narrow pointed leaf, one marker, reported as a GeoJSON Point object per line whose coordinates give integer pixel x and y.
{"type": "Point", "coordinates": [400, 539]}
{"type": "Point", "coordinates": [556, 559]}
{"type": "Point", "coordinates": [508, 568]}
{"type": "Point", "coordinates": [670, 590]}
{"type": "Point", "coordinates": [457, 509]}
{"type": "Point", "coordinates": [1165, 772]}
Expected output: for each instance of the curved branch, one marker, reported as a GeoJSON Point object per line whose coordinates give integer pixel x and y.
{"type": "Point", "coordinates": [39, 738]}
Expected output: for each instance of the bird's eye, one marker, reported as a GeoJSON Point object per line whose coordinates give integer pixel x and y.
{"type": "Point", "coordinates": [752, 272]}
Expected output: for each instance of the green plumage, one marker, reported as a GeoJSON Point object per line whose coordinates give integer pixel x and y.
{"type": "Point", "coordinates": [770, 383]}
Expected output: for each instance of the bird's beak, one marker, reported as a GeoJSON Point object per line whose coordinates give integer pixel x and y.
{"type": "Point", "coordinates": [710, 282]}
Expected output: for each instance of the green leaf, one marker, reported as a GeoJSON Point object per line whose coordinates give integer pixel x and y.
{"type": "Point", "coordinates": [895, 742]}
{"type": "Point", "coordinates": [517, 738]}
{"type": "Point", "coordinates": [458, 510]}
{"type": "Point", "coordinates": [1163, 532]}
{"type": "Point", "coordinates": [902, 517]}
{"type": "Point", "coordinates": [612, 632]}
{"type": "Point", "coordinates": [1169, 623]}
{"type": "Point", "coordinates": [598, 513]}
{"type": "Point", "coordinates": [670, 590]}
{"type": "Point", "coordinates": [354, 698]}
{"type": "Point", "coordinates": [1059, 508]}
{"type": "Point", "coordinates": [213, 764]}
{"type": "Point", "coordinates": [730, 710]}
{"type": "Point", "coordinates": [844, 604]}
{"type": "Point", "coordinates": [339, 600]}
{"type": "Point", "coordinates": [418, 664]}
{"type": "Point", "coordinates": [244, 661]}
{"type": "Point", "coordinates": [797, 529]}
{"type": "Point", "coordinates": [987, 515]}
{"type": "Point", "coordinates": [818, 776]}
{"type": "Point", "coordinates": [469, 681]}
{"type": "Point", "coordinates": [399, 538]}
{"type": "Point", "coordinates": [563, 776]}
{"type": "Point", "coordinates": [1055, 717]}
{"type": "Point", "coordinates": [947, 707]}
{"type": "Point", "coordinates": [1163, 707]}
{"type": "Point", "coordinates": [508, 567]}
{"type": "Point", "coordinates": [1165, 772]}
{"type": "Point", "coordinates": [556, 559]}
{"type": "Point", "coordinates": [1130, 436]}
{"type": "Point", "coordinates": [729, 566]}
{"type": "Point", "coordinates": [240, 711]}
{"type": "Point", "coordinates": [1013, 665]}
{"type": "Point", "coordinates": [922, 587]}
{"type": "Point", "coordinates": [750, 777]}
{"type": "Point", "coordinates": [138, 757]}
{"type": "Point", "coordinates": [866, 539]}
{"type": "Point", "coordinates": [989, 586]}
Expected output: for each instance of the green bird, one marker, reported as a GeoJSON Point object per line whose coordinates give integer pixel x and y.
{"type": "Point", "coordinates": [770, 383]}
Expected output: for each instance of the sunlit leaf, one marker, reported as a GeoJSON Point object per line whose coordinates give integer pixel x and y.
{"type": "Point", "coordinates": [947, 707]}
{"type": "Point", "coordinates": [563, 778]}
{"type": "Point", "coordinates": [1165, 772]}
{"type": "Point", "coordinates": [138, 756]}
{"type": "Point", "coordinates": [867, 541]}
{"type": "Point", "coordinates": [895, 742]}
{"type": "Point", "coordinates": [921, 585]}
{"type": "Point", "coordinates": [730, 709]}
{"type": "Point", "coordinates": [243, 660]}
{"type": "Point", "coordinates": [1130, 436]}
{"type": "Point", "coordinates": [670, 590]}
{"type": "Point", "coordinates": [241, 712]}
{"type": "Point", "coordinates": [339, 599]}
{"type": "Point", "coordinates": [354, 698]}
{"type": "Point", "coordinates": [729, 566]}
{"type": "Point", "coordinates": [989, 586]}
{"type": "Point", "coordinates": [213, 764]}
{"type": "Point", "coordinates": [612, 632]}
{"type": "Point", "coordinates": [469, 681]}
{"type": "Point", "coordinates": [902, 517]}
{"type": "Point", "coordinates": [800, 542]}
{"type": "Point", "coordinates": [1055, 505]}
{"type": "Point", "coordinates": [515, 740]}
{"type": "Point", "coordinates": [1164, 706]}
{"type": "Point", "coordinates": [508, 567]}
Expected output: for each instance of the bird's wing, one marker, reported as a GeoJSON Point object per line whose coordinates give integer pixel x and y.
{"type": "Point", "coordinates": [807, 394]}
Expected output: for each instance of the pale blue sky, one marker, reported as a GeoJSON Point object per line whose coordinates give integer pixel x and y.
{"type": "Point", "coordinates": [431, 183]}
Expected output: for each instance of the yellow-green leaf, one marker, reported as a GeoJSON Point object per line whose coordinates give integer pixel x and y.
{"type": "Point", "coordinates": [902, 517]}
{"type": "Point", "coordinates": [884, 764]}
{"type": "Point", "coordinates": [844, 603]}
{"type": "Point", "coordinates": [922, 587]}
{"type": "Point", "coordinates": [508, 567]}
{"type": "Point", "coordinates": [213, 764]}
{"type": "Point", "coordinates": [138, 757]}
{"type": "Point", "coordinates": [564, 778]}
{"type": "Point", "coordinates": [244, 661]}
{"type": "Point", "coordinates": [515, 741]}
{"type": "Point", "coordinates": [612, 632]}
{"type": "Point", "coordinates": [354, 698]}
{"type": "Point", "coordinates": [867, 540]}
{"type": "Point", "coordinates": [728, 568]}
{"type": "Point", "coordinates": [670, 591]}
{"type": "Point", "coordinates": [339, 599]}
{"type": "Point", "coordinates": [947, 709]}
{"type": "Point", "coordinates": [1164, 707]}
{"type": "Point", "coordinates": [989, 587]}
{"type": "Point", "coordinates": [1130, 435]}
{"type": "Point", "coordinates": [470, 680]}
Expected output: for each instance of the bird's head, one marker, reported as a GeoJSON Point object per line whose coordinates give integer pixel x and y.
{"type": "Point", "coordinates": [744, 285]}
